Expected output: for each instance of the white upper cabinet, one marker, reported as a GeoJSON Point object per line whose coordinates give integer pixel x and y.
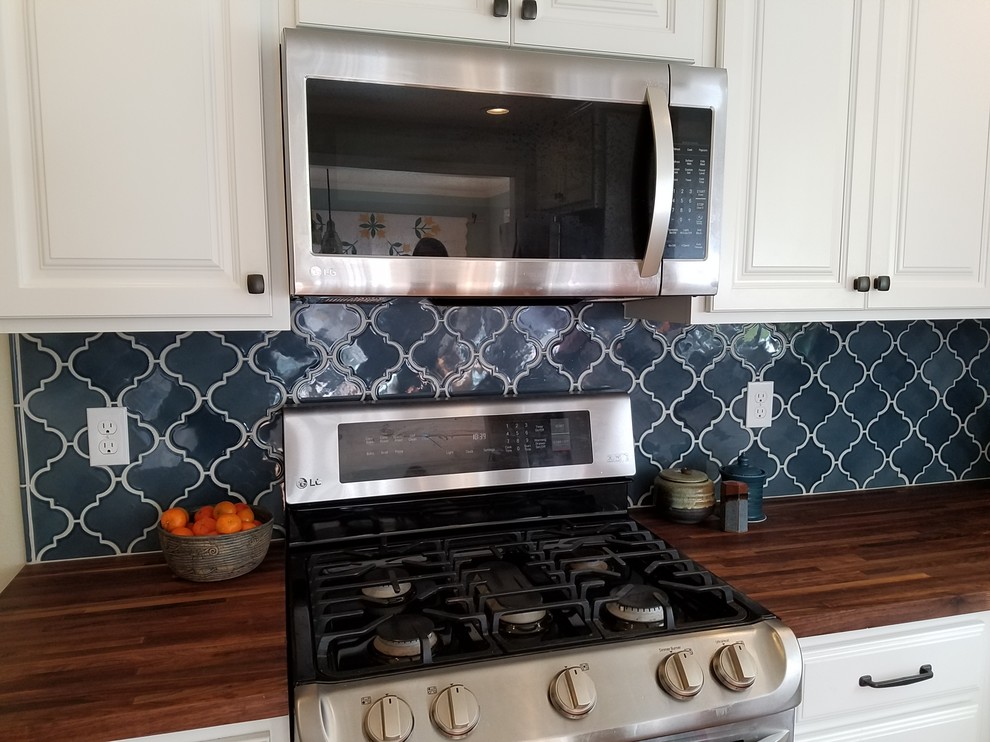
{"type": "Point", "coordinates": [857, 149]}
{"type": "Point", "coordinates": [140, 166]}
{"type": "Point", "coordinates": [681, 30]}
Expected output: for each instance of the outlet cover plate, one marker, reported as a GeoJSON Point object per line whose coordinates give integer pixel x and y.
{"type": "Point", "coordinates": [759, 404]}
{"type": "Point", "coordinates": [107, 434]}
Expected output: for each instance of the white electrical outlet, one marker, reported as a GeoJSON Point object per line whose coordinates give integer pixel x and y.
{"type": "Point", "coordinates": [759, 404]}
{"type": "Point", "coordinates": [107, 429]}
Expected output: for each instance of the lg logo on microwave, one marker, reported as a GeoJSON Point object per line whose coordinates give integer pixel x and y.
{"type": "Point", "coordinates": [302, 483]}
{"type": "Point", "coordinates": [316, 271]}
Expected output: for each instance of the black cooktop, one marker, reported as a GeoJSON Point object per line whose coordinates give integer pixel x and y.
{"type": "Point", "coordinates": [379, 590]}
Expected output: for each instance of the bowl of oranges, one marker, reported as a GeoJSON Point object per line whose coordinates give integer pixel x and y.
{"type": "Point", "coordinates": [215, 542]}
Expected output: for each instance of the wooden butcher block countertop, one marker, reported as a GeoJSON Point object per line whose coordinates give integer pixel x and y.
{"type": "Point", "coordinates": [829, 563]}
{"type": "Point", "coordinates": [106, 649]}
{"type": "Point", "coordinates": [117, 647]}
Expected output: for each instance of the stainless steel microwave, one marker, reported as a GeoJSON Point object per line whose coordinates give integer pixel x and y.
{"type": "Point", "coordinates": [471, 172]}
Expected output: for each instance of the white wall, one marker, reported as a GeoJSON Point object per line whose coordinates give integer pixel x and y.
{"type": "Point", "coordinates": [11, 522]}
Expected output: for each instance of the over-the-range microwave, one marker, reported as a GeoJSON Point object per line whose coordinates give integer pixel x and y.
{"type": "Point", "coordinates": [459, 171]}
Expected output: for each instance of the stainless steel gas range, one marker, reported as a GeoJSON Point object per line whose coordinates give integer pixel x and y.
{"type": "Point", "coordinates": [467, 570]}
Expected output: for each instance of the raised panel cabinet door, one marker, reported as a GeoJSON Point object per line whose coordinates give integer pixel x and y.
{"type": "Point", "coordinates": [797, 153]}
{"type": "Point", "coordinates": [473, 20]}
{"type": "Point", "coordinates": [933, 156]}
{"type": "Point", "coordinates": [678, 30]}
{"type": "Point", "coordinates": [958, 724]}
{"type": "Point", "coordinates": [137, 189]}
{"type": "Point", "coordinates": [263, 730]}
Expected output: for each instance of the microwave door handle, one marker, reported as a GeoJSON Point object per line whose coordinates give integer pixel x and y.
{"type": "Point", "coordinates": [663, 144]}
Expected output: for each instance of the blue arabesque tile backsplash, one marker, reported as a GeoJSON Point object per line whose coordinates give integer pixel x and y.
{"type": "Point", "coordinates": [857, 404]}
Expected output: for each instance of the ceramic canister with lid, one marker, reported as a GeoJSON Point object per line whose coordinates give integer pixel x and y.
{"type": "Point", "coordinates": [684, 495]}
{"type": "Point", "coordinates": [754, 477]}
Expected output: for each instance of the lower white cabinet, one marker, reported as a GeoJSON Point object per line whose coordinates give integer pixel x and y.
{"type": "Point", "coordinates": [933, 683]}
{"type": "Point", "coordinates": [264, 730]}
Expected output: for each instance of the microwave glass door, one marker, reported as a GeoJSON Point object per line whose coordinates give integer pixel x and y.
{"type": "Point", "coordinates": [411, 171]}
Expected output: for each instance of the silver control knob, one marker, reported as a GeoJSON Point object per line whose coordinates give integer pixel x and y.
{"type": "Point", "coordinates": [573, 693]}
{"type": "Point", "coordinates": [389, 720]}
{"type": "Point", "coordinates": [455, 711]}
{"type": "Point", "coordinates": [681, 675]}
{"type": "Point", "coordinates": [734, 666]}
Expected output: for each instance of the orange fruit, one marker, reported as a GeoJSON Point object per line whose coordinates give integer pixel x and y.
{"type": "Point", "coordinates": [204, 526]}
{"type": "Point", "coordinates": [174, 518]}
{"type": "Point", "coordinates": [248, 524]}
{"type": "Point", "coordinates": [204, 512]}
{"type": "Point", "coordinates": [224, 507]}
{"type": "Point", "coordinates": [239, 506]}
{"type": "Point", "coordinates": [181, 531]}
{"type": "Point", "coordinates": [245, 514]}
{"type": "Point", "coordinates": [228, 523]}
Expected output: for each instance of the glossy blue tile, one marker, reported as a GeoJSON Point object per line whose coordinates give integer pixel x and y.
{"type": "Point", "coordinates": [477, 379]}
{"type": "Point", "coordinates": [856, 404]}
{"type": "Point", "coordinates": [813, 404]}
{"type": "Point", "coordinates": [544, 378]}
{"type": "Point", "coordinates": [111, 363]}
{"type": "Point", "coordinates": [919, 342]}
{"type": "Point", "coordinates": [758, 345]}
{"type": "Point", "coordinates": [699, 347]}
{"type": "Point", "coordinates": [968, 340]}
{"type": "Point", "coordinates": [697, 410]}
{"type": "Point", "coordinates": [200, 359]}
{"type": "Point", "coordinates": [638, 349]}
{"type": "Point", "coordinates": [34, 362]}
{"type": "Point", "coordinates": [204, 436]}
{"type": "Point", "coordinates": [440, 354]}
{"type": "Point", "coordinates": [477, 325]}
{"type": "Point", "coordinates": [62, 403]}
{"type": "Point", "coordinates": [543, 324]}
{"type": "Point", "coordinates": [841, 373]}
{"type": "Point", "coordinates": [912, 456]}
{"type": "Point", "coordinates": [286, 358]}
{"type": "Point", "coordinates": [160, 400]}
{"type": "Point", "coordinates": [869, 342]}
{"type": "Point", "coordinates": [575, 352]}
{"type": "Point", "coordinates": [247, 396]}
{"type": "Point", "coordinates": [815, 344]}
{"type": "Point", "coordinates": [369, 356]}
{"type": "Point", "coordinates": [163, 476]}
{"type": "Point", "coordinates": [405, 321]}
{"type": "Point", "coordinates": [73, 474]}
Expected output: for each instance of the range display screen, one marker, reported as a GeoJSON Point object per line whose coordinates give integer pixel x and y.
{"type": "Point", "coordinates": [395, 449]}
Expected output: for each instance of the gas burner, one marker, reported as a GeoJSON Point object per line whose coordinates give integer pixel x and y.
{"type": "Point", "coordinates": [401, 637]}
{"type": "Point", "coordinates": [589, 559]}
{"type": "Point", "coordinates": [528, 622]}
{"type": "Point", "coordinates": [639, 605]}
{"type": "Point", "coordinates": [394, 588]}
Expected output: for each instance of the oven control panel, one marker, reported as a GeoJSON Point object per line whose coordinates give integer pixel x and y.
{"type": "Point", "coordinates": [342, 451]}
{"type": "Point", "coordinates": [654, 687]}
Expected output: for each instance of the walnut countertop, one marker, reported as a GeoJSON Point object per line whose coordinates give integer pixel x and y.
{"type": "Point", "coordinates": [103, 649]}
{"type": "Point", "coordinates": [829, 563]}
{"type": "Point", "coordinates": [117, 647]}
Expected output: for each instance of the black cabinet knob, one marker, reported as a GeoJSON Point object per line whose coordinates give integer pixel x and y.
{"type": "Point", "coordinates": [529, 10]}
{"type": "Point", "coordinates": [500, 8]}
{"type": "Point", "coordinates": [881, 283]}
{"type": "Point", "coordinates": [255, 283]}
{"type": "Point", "coordinates": [861, 283]}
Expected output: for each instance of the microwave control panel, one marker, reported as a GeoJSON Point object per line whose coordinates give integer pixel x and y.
{"type": "Point", "coordinates": [687, 236]}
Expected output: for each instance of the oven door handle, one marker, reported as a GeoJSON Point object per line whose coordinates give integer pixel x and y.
{"type": "Point", "coordinates": [658, 101]}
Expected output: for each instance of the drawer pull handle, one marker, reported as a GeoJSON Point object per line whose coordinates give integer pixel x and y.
{"type": "Point", "coordinates": [924, 673]}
